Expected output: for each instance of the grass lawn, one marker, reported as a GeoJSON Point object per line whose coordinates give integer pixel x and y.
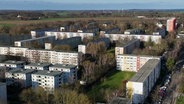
{"type": "Point", "coordinates": [180, 100]}
{"type": "Point", "coordinates": [112, 81]}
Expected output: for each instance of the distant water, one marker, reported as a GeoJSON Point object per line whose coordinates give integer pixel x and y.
{"type": "Point", "coordinates": [38, 5]}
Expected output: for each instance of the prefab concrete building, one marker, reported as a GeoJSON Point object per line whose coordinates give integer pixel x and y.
{"type": "Point", "coordinates": [139, 87]}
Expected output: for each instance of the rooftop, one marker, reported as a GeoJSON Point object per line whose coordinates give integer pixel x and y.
{"type": "Point", "coordinates": [39, 64]}
{"type": "Point", "coordinates": [145, 70]}
{"type": "Point", "coordinates": [124, 43]}
{"type": "Point", "coordinates": [22, 71]}
{"type": "Point", "coordinates": [47, 73]}
{"type": "Point", "coordinates": [14, 62]}
{"type": "Point", "coordinates": [64, 66]}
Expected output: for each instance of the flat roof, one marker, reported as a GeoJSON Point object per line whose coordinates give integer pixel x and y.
{"type": "Point", "coordinates": [125, 43]}
{"type": "Point", "coordinates": [64, 66]}
{"type": "Point", "coordinates": [145, 71]}
{"type": "Point", "coordinates": [47, 73]}
{"type": "Point", "coordinates": [14, 62]}
{"type": "Point", "coordinates": [35, 38]}
{"type": "Point", "coordinates": [39, 64]}
{"type": "Point", "coordinates": [22, 71]}
{"type": "Point", "coordinates": [139, 55]}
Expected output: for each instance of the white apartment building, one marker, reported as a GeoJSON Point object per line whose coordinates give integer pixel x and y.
{"type": "Point", "coordinates": [69, 72]}
{"type": "Point", "coordinates": [13, 64]}
{"type": "Point", "coordinates": [49, 80]}
{"type": "Point", "coordinates": [132, 62]}
{"type": "Point", "coordinates": [139, 87]}
{"type": "Point", "coordinates": [82, 49]}
{"type": "Point", "coordinates": [14, 51]}
{"type": "Point", "coordinates": [19, 75]}
{"type": "Point", "coordinates": [38, 66]}
{"type": "Point", "coordinates": [53, 57]}
{"type": "Point", "coordinates": [154, 38]}
{"type": "Point", "coordinates": [62, 35]}
{"type": "Point", "coordinates": [3, 94]}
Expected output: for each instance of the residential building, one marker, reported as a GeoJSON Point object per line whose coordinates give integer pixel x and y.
{"type": "Point", "coordinates": [134, 31]}
{"type": "Point", "coordinates": [82, 49]}
{"type": "Point", "coordinates": [29, 43]}
{"type": "Point", "coordinates": [72, 42]}
{"type": "Point", "coordinates": [41, 32]}
{"type": "Point", "coordinates": [132, 62]}
{"type": "Point", "coordinates": [4, 50]}
{"type": "Point", "coordinates": [13, 64]}
{"type": "Point", "coordinates": [38, 66]}
{"type": "Point", "coordinates": [13, 51]}
{"type": "Point", "coordinates": [139, 87]}
{"type": "Point", "coordinates": [69, 72]}
{"type": "Point", "coordinates": [114, 37]}
{"type": "Point", "coordinates": [171, 24]}
{"type": "Point", "coordinates": [62, 35]}
{"type": "Point", "coordinates": [21, 76]}
{"type": "Point", "coordinates": [49, 80]}
{"type": "Point", "coordinates": [127, 47]}
{"type": "Point", "coordinates": [3, 94]}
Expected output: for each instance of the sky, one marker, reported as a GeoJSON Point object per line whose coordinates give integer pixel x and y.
{"type": "Point", "coordinates": [90, 4]}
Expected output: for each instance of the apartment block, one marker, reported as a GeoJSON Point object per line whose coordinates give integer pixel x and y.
{"type": "Point", "coordinates": [139, 87]}
{"type": "Point", "coordinates": [69, 72]}
{"type": "Point", "coordinates": [14, 51]}
{"type": "Point", "coordinates": [49, 80]}
{"type": "Point", "coordinates": [20, 76]}
{"type": "Point", "coordinates": [127, 47]}
{"type": "Point", "coordinates": [3, 94]}
{"type": "Point", "coordinates": [13, 64]}
{"type": "Point", "coordinates": [171, 24]}
{"type": "Point", "coordinates": [62, 35]}
{"type": "Point", "coordinates": [132, 62]}
{"type": "Point", "coordinates": [82, 49]}
{"type": "Point", "coordinates": [29, 43]}
{"type": "Point", "coordinates": [114, 37]}
{"type": "Point", "coordinates": [38, 66]}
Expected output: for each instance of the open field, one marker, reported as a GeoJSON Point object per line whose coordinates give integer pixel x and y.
{"type": "Point", "coordinates": [46, 20]}
{"type": "Point", "coordinates": [112, 81]}
{"type": "Point", "coordinates": [180, 100]}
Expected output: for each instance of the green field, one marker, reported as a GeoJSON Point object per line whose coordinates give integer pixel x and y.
{"type": "Point", "coordinates": [180, 100]}
{"type": "Point", "coordinates": [111, 82]}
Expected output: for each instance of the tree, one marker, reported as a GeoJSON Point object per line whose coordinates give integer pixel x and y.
{"type": "Point", "coordinates": [170, 63]}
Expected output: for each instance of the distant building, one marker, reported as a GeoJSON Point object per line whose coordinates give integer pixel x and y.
{"type": "Point", "coordinates": [160, 31]}
{"type": "Point", "coordinates": [13, 64]}
{"type": "Point", "coordinates": [114, 37]}
{"type": "Point", "coordinates": [3, 94]}
{"type": "Point", "coordinates": [69, 72]}
{"type": "Point", "coordinates": [127, 47]}
{"type": "Point", "coordinates": [38, 66]}
{"type": "Point", "coordinates": [132, 62]}
{"type": "Point", "coordinates": [62, 35]}
{"type": "Point", "coordinates": [49, 80]}
{"type": "Point", "coordinates": [41, 32]}
{"type": "Point", "coordinates": [140, 86]}
{"type": "Point", "coordinates": [134, 31]}
{"type": "Point", "coordinates": [21, 76]}
{"type": "Point", "coordinates": [82, 49]}
{"type": "Point", "coordinates": [171, 24]}
{"type": "Point", "coordinates": [29, 43]}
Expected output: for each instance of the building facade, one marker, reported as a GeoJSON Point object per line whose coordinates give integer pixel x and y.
{"type": "Point", "coordinates": [69, 72]}
{"type": "Point", "coordinates": [171, 24]}
{"type": "Point", "coordinates": [3, 94]}
{"type": "Point", "coordinates": [49, 80]}
{"type": "Point", "coordinates": [114, 37]}
{"type": "Point", "coordinates": [139, 87]}
{"type": "Point", "coordinates": [13, 64]}
{"type": "Point", "coordinates": [127, 47]}
{"type": "Point", "coordinates": [132, 62]}
{"type": "Point", "coordinates": [38, 66]}
{"type": "Point", "coordinates": [21, 76]}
